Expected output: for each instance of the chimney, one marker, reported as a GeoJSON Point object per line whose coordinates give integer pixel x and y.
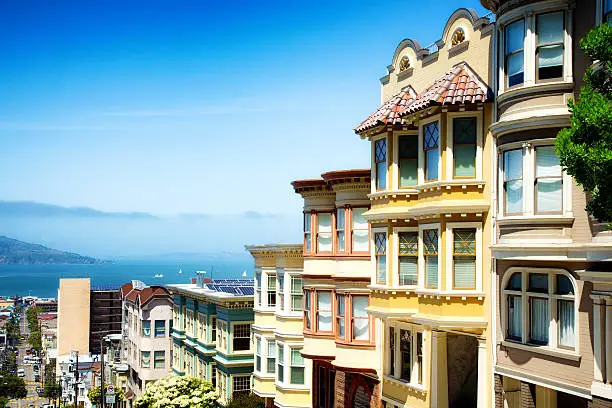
{"type": "Point", "coordinates": [194, 280]}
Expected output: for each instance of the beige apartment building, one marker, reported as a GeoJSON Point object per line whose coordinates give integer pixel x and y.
{"type": "Point", "coordinates": [73, 316]}
{"type": "Point", "coordinates": [553, 323]}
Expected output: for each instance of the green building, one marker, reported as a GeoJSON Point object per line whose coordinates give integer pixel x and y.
{"type": "Point", "coordinates": [211, 333]}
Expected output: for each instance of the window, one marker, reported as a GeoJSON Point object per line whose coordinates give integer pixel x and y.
{"type": "Point", "coordinates": [307, 309]}
{"type": "Point", "coordinates": [222, 383]}
{"type": "Point", "coordinates": [324, 232]}
{"type": "Point", "coordinates": [430, 252]}
{"type": "Point", "coordinates": [258, 301]}
{"type": "Point", "coordinates": [213, 329]}
{"type": "Point", "coordinates": [431, 143]}
{"type": "Point", "coordinates": [241, 385]}
{"type": "Point", "coordinates": [514, 59]}
{"type": "Point", "coordinates": [464, 258]}
{"type": "Point", "coordinates": [408, 257]}
{"type": "Point", "coordinates": [281, 290]}
{"type": "Point", "coordinates": [324, 391]}
{"type": "Point", "coordinates": [160, 328]}
{"type": "Point", "coordinates": [513, 181]}
{"type": "Point", "coordinates": [145, 359]}
{"type": "Point", "coordinates": [360, 321]}
{"type": "Point", "coordinates": [464, 147]}
{"type": "Point", "coordinates": [272, 290]}
{"type": "Point", "coordinates": [359, 230]}
{"type": "Point", "coordinates": [159, 359]}
{"type": "Point", "coordinates": [296, 293]}
{"type": "Point", "coordinates": [189, 322]}
{"type": "Point", "coordinates": [340, 225]}
{"type": "Point", "coordinates": [213, 375]}
{"type": "Point", "coordinates": [380, 161]}
{"type": "Point", "coordinates": [271, 357]}
{"type": "Point", "coordinates": [258, 354]}
{"type": "Point", "coordinates": [297, 366]}
{"type": "Point", "coordinates": [307, 232]}
{"type": "Point", "coordinates": [280, 362]}
{"type": "Point", "coordinates": [380, 239]}
{"type": "Point", "coordinates": [340, 316]}
{"type": "Point", "coordinates": [324, 313]}
{"type": "Point", "coordinates": [146, 328]}
{"type": "Point", "coordinates": [536, 298]}
{"type": "Point", "coordinates": [549, 51]}
{"type": "Point", "coordinates": [405, 361]}
{"type": "Point", "coordinates": [242, 337]}
{"type": "Point", "coordinates": [408, 160]}
{"type": "Point", "coordinates": [549, 181]}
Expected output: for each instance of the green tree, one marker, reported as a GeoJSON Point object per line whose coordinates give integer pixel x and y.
{"type": "Point", "coordinates": [35, 340]}
{"type": "Point", "coordinates": [246, 401]}
{"type": "Point", "coordinates": [3, 402]}
{"type": "Point", "coordinates": [585, 148]}
{"type": "Point", "coordinates": [177, 392]}
{"type": "Point", "coordinates": [95, 395]}
{"type": "Point", "coordinates": [12, 386]}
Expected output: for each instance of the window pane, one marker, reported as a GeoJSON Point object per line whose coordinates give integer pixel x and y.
{"type": "Point", "coordinates": [391, 351]}
{"type": "Point", "coordinates": [405, 354]}
{"type": "Point", "coordinates": [515, 317]}
{"type": "Point", "coordinates": [515, 34]}
{"type": "Point", "coordinates": [432, 271]}
{"type": "Point", "coordinates": [465, 160]}
{"type": "Point", "coordinates": [550, 28]}
{"type": "Point", "coordinates": [547, 162]}
{"type": "Point", "coordinates": [360, 304]}
{"type": "Point", "coordinates": [297, 375]}
{"type": "Point", "coordinates": [514, 196]}
{"type": "Point", "coordinates": [515, 68]}
{"type": "Point", "coordinates": [340, 218]}
{"type": "Point", "coordinates": [538, 317]}
{"type": "Point", "coordinates": [324, 300]}
{"type": "Point", "coordinates": [381, 269]}
{"type": "Point", "coordinates": [549, 195]}
{"type": "Point", "coordinates": [408, 172]}
{"type": "Point", "coordinates": [408, 270]}
{"type": "Point", "coordinates": [513, 164]}
{"type": "Point", "coordinates": [360, 230]}
{"type": "Point", "coordinates": [565, 315]}
{"type": "Point", "coordinates": [408, 147]}
{"type": "Point", "coordinates": [564, 285]}
{"type": "Point", "coordinates": [608, 6]}
{"type": "Point", "coordinates": [324, 222]}
{"type": "Point", "coordinates": [359, 220]}
{"type": "Point", "coordinates": [431, 171]}
{"type": "Point", "coordinates": [307, 220]}
{"type": "Point", "coordinates": [360, 329]}
{"type": "Point", "coordinates": [324, 316]}
{"type": "Point", "coordinates": [360, 240]}
{"type": "Point", "coordinates": [464, 130]}
{"type": "Point", "coordinates": [515, 282]}
{"type": "Point", "coordinates": [381, 176]}
{"type": "Point", "coordinates": [538, 282]}
{"type": "Point", "coordinates": [296, 357]}
{"type": "Point", "coordinates": [324, 241]}
{"type": "Point", "coordinates": [550, 56]}
{"type": "Point", "coordinates": [464, 273]}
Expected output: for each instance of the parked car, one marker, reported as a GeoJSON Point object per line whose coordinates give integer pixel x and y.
{"type": "Point", "coordinates": [20, 372]}
{"type": "Point", "coordinates": [36, 378]}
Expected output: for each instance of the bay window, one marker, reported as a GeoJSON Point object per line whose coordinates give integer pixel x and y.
{"type": "Point", "coordinates": [431, 150]}
{"type": "Point", "coordinates": [408, 257]}
{"type": "Point", "coordinates": [324, 311]}
{"type": "Point", "coordinates": [405, 356]}
{"type": "Point", "coordinates": [324, 232]}
{"type": "Point", "coordinates": [549, 51]}
{"type": "Point", "coordinates": [408, 160]}
{"type": "Point", "coordinates": [297, 367]}
{"type": "Point", "coordinates": [540, 308]}
{"type": "Point", "coordinates": [514, 53]}
{"type": "Point", "coordinates": [464, 147]}
{"type": "Point", "coordinates": [513, 181]}
{"type": "Point", "coordinates": [380, 244]}
{"type": "Point", "coordinates": [296, 293]}
{"type": "Point", "coordinates": [340, 227]}
{"type": "Point", "coordinates": [548, 181]}
{"type": "Point", "coordinates": [307, 310]}
{"type": "Point", "coordinates": [359, 230]}
{"type": "Point", "coordinates": [307, 232]}
{"type": "Point", "coordinates": [464, 258]}
{"type": "Point", "coordinates": [430, 257]}
{"type": "Point", "coordinates": [380, 163]}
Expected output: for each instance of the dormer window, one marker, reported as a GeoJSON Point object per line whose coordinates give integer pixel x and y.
{"type": "Point", "coordinates": [514, 58]}
{"type": "Point", "coordinates": [549, 51]}
{"type": "Point", "coordinates": [404, 64]}
{"type": "Point", "coordinates": [458, 37]}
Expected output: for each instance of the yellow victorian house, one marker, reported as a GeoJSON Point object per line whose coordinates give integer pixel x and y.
{"type": "Point", "coordinates": [430, 219]}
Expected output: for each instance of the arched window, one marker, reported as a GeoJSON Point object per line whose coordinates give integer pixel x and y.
{"type": "Point", "coordinates": [540, 308]}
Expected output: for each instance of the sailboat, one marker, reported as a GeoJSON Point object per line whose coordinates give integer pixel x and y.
{"type": "Point", "coordinates": [159, 275]}
{"type": "Point", "coordinates": [180, 271]}
{"type": "Point", "coordinates": [244, 274]}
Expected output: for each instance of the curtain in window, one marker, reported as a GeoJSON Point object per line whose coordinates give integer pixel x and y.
{"type": "Point", "coordinates": [271, 360]}
{"type": "Point", "coordinates": [549, 194]}
{"type": "Point", "coordinates": [550, 39]}
{"type": "Point", "coordinates": [360, 230]}
{"type": "Point", "coordinates": [324, 316]}
{"type": "Point", "coordinates": [146, 358]}
{"type": "Point", "coordinates": [514, 317]}
{"type": "Point", "coordinates": [324, 240]}
{"type": "Point", "coordinates": [565, 314]}
{"type": "Point", "coordinates": [538, 320]}
{"type": "Point", "coordinates": [297, 366]}
{"type": "Point", "coordinates": [408, 270]}
{"type": "Point", "coordinates": [360, 318]}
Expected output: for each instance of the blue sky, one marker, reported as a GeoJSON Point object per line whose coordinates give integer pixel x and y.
{"type": "Point", "coordinates": [172, 107]}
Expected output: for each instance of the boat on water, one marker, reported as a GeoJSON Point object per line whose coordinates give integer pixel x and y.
{"type": "Point", "coordinates": [159, 275]}
{"type": "Point", "coordinates": [180, 271]}
{"type": "Point", "coordinates": [244, 274]}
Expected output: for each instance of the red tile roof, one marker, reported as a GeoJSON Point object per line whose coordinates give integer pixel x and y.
{"type": "Point", "coordinates": [142, 296]}
{"type": "Point", "coordinates": [389, 112]}
{"type": "Point", "coordinates": [459, 85]}
{"type": "Point", "coordinates": [125, 289]}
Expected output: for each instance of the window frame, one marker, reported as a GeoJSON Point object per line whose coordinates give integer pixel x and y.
{"type": "Point", "coordinates": [270, 358]}
{"type": "Point", "coordinates": [553, 300]}
{"type": "Point", "coordinates": [337, 230]}
{"type": "Point", "coordinates": [331, 232]}
{"type": "Point", "coordinates": [416, 366]}
{"type": "Point", "coordinates": [308, 237]}
{"type": "Point", "coordinates": [258, 355]}
{"type": "Point", "coordinates": [234, 326]}
{"type": "Point", "coordinates": [375, 255]}
{"type": "Point", "coordinates": [422, 150]}
{"type": "Point", "coordinates": [349, 244]}
{"type": "Point", "coordinates": [292, 366]}
{"type": "Point", "coordinates": [156, 328]}
{"type": "Point", "coordinates": [503, 190]}
{"type": "Point", "coordinates": [293, 294]}
{"type": "Point", "coordinates": [422, 256]}
{"type": "Point", "coordinates": [348, 319]}
{"type": "Point", "coordinates": [506, 55]}
{"type": "Point", "coordinates": [538, 46]}
{"type": "Point", "coordinates": [317, 311]}
{"type": "Point", "coordinates": [156, 354]}
{"type": "Point", "coordinates": [271, 277]}
{"type": "Point", "coordinates": [396, 258]}
{"type": "Point", "coordinates": [235, 377]}
{"type": "Point", "coordinates": [396, 182]}
{"type": "Point", "coordinates": [307, 311]}
{"type": "Point", "coordinates": [376, 162]}
{"type": "Point", "coordinates": [535, 183]}
{"type": "Point", "coordinates": [143, 329]}
{"type": "Point", "coordinates": [450, 227]}
{"type": "Point", "coordinates": [450, 144]}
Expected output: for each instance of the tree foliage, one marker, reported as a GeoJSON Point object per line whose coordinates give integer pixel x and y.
{"type": "Point", "coordinates": [12, 386]}
{"type": "Point", "coordinates": [95, 395]}
{"type": "Point", "coordinates": [246, 401]}
{"type": "Point", "coordinates": [585, 148]}
{"type": "Point", "coordinates": [178, 392]}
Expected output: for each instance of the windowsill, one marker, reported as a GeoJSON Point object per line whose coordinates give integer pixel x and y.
{"type": "Point", "coordinates": [464, 294]}
{"type": "Point", "coordinates": [415, 387]}
{"type": "Point", "coordinates": [264, 310]}
{"type": "Point", "coordinates": [291, 387]}
{"type": "Point", "coordinates": [325, 335]}
{"type": "Point", "coordinates": [534, 219]}
{"type": "Point", "coordinates": [359, 345]}
{"type": "Point", "coordinates": [292, 315]}
{"type": "Point", "coordinates": [392, 193]}
{"type": "Point", "coordinates": [534, 88]}
{"type": "Point", "coordinates": [448, 184]}
{"type": "Point", "coordinates": [565, 354]}
{"type": "Point", "coordinates": [263, 376]}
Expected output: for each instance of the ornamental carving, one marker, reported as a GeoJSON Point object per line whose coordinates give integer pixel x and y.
{"type": "Point", "coordinates": [404, 63]}
{"type": "Point", "coordinates": [458, 37]}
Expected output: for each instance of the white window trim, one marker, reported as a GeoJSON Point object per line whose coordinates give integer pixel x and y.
{"type": "Point", "coordinates": [258, 337]}
{"type": "Point", "coordinates": [552, 309]}
{"type": "Point", "coordinates": [231, 378]}
{"type": "Point", "coordinates": [395, 170]}
{"type": "Point", "coordinates": [373, 162]}
{"type": "Point", "coordinates": [421, 166]}
{"type": "Point", "coordinates": [230, 342]}
{"type": "Point", "coordinates": [395, 259]}
{"type": "Point", "coordinates": [285, 383]}
{"type": "Point", "coordinates": [450, 144]}
{"type": "Point", "coordinates": [528, 182]}
{"type": "Point", "coordinates": [265, 373]}
{"type": "Point", "coordinates": [421, 267]}
{"type": "Point", "coordinates": [288, 296]}
{"type": "Point", "coordinates": [529, 14]}
{"type": "Point", "coordinates": [373, 232]}
{"type": "Point", "coordinates": [450, 226]}
{"type": "Point", "coordinates": [397, 326]}
{"type": "Point", "coordinates": [263, 306]}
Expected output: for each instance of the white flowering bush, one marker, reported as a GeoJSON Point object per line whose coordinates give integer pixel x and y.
{"type": "Point", "coordinates": [178, 392]}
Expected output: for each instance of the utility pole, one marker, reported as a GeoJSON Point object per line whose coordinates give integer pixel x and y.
{"type": "Point", "coordinates": [102, 388]}
{"type": "Point", "coordinates": [76, 379]}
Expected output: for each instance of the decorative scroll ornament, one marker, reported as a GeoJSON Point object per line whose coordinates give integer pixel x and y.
{"type": "Point", "coordinates": [404, 63]}
{"type": "Point", "coordinates": [458, 37]}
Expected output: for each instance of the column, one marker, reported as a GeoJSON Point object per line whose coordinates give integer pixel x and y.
{"type": "Point", "coordinates": [607, 333]}
{"type": "Point", "coordinates": [598, 361]}
{"type": "Point", "coordinates": [483, 375]}
{"type": "Point", "coordinates": [439, 370]}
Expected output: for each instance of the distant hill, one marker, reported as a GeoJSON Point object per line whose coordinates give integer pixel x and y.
{"type": "Point", "coordinates": [14, 252]}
